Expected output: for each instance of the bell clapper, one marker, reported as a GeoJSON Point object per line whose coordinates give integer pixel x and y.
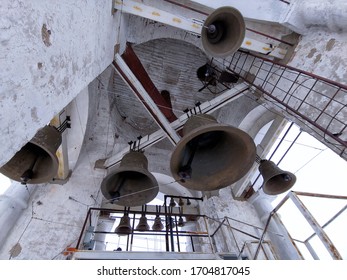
{"type": "Point", "coordinates": [116, 194]}
{"type": "Point", "coordinates": [211, 28]}
{"type": "Point", "coordinates": [29, 173]}
{"type": "Point", "coordinates": [185, 171]}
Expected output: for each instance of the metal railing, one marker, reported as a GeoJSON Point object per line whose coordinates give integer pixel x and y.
{"type": "Point", "coordinates": [318, 230]}
{"type": "Point", "coordinates": [316, 102]}
{"type": "Point", "coordinates": [266, 246]}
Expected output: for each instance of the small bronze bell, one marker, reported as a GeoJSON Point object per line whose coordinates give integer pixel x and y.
{"type": "Point", "coordinates": [225, 32]}
{"type": "Point", "coordinates": [158, 224]}
{"type": "Point", "coordinates": [276, 180]}
{"type": "Point", "coordinates": [124, 227]}
{"type": "Point", "coordinates": [130, 184]}
{"type": "Point", "coordinates": [180, 222]}
{"type": "Point", "coordinates": [172, 202]}
{"type": "Point", "coordinates": [143, 223]}
{"type": "Point", "coordinates": [180, 202]}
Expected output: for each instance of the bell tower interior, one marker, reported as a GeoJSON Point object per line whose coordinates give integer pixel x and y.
{"type": "Point", "coordinates": [173, 130]}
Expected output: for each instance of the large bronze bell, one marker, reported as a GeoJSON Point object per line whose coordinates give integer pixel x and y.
{"type": "Point", "coordinates": [124, 227]}
{"type": "Point", "coordinates": [210, 155]}
{"type": "Point", "coordinates": [276, 180]}
{"type": "Point", "coordinates": [131, 184]}
{"type": "Point", "coordinates": [36, 162]}
{"type": "Point", "coordinates": [223, 32]}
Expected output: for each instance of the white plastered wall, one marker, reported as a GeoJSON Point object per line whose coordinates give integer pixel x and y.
{"type": "Point", "coordinates": [49, 52]}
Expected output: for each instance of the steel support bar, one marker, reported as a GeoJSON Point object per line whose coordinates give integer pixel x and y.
{"type": "Point", "coordinates": [128, 76]}
{"type": "Point", "coordinates": [209, 235]}
{"type": "Point", "coordinates": [328, 222]}
{"type": "Point", "coordinates": [233, 235]}
{"type": "Point", "coordinates": [255, 227]}
{"type": "Point", "coordinates": [321, 195]}
{"type": "Point", "coordinates": [311, 250]}
{"type": "Point", "coordinates": [263, 236]}
{"type": "Point", "coordinates": [316, 227]}
{"type": "Point", "coordinates": [207, 107]}
{"type": "Point", "coordinates": [190, 25]}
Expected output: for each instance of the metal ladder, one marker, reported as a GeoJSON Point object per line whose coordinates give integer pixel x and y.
{"type": "Point", "coordinates": [315, 103]}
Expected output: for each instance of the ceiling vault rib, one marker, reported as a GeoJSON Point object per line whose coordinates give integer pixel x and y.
{"type": "Point", "coordinates": [134, 84]}
{"type": "Point", "coordinates": [207, 107]}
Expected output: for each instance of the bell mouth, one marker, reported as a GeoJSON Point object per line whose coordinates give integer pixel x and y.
{"type": "Point", "coordinates": [224, 33]}
{"type": "Point", "coordinates": [212, 157]}
{"type": "Point", "coordinates": [36, 162]}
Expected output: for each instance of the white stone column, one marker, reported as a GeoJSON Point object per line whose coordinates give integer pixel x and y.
{"type": "Point", "coordinates": [12, 203]}
{"type": "Point", "coordinates": [282, 244]}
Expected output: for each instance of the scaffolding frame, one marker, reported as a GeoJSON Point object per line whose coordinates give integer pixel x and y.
{"type": "Point", "coordinates": [319, 230]}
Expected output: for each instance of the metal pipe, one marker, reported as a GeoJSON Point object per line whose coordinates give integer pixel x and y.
{"type": "Point", "coordinates": [252, 225]}
{"type": "Point", "coordinates": [262, 236]}
{"type": "Point", "coordinates": [291, 145]}
{"type": "Point", "coordinates": [192, 242]}
{"type": "Point", "coordinates": [209, 236]}
{"type": "Point", "coordinates": [233, 235]}
{"type": "Point", "coordinates": [316, 227]}
{"type": "Point", "coordinates": [328, 222]}
{"type": "Point", "coordinates": [155, 232]}
{"type": "Point", "coordinates": [83, 228]}
{"type": "Point", "coordinates": [311, 250]}
{"type": "Point", "coordinates": [171, 233]}
{"type": "Point", "coordinates": [177, 237]}
{"type": "Point", "coordinates": [132, 234]}
{"type": "Point", "coordinates": [220, 225]}
{"type": "Point", "coordinates": [166, 226]}
{"type": "Point", "coordinates": [320, 195]}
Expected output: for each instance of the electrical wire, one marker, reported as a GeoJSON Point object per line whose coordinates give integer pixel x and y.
{"type": "Point", "coordinates": [141, 191]}
{"type": "Point", "coordinates": [309, 161]}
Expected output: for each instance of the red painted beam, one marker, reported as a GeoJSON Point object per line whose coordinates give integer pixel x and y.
{"type": "Point", "coordinates": [162, 101]}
